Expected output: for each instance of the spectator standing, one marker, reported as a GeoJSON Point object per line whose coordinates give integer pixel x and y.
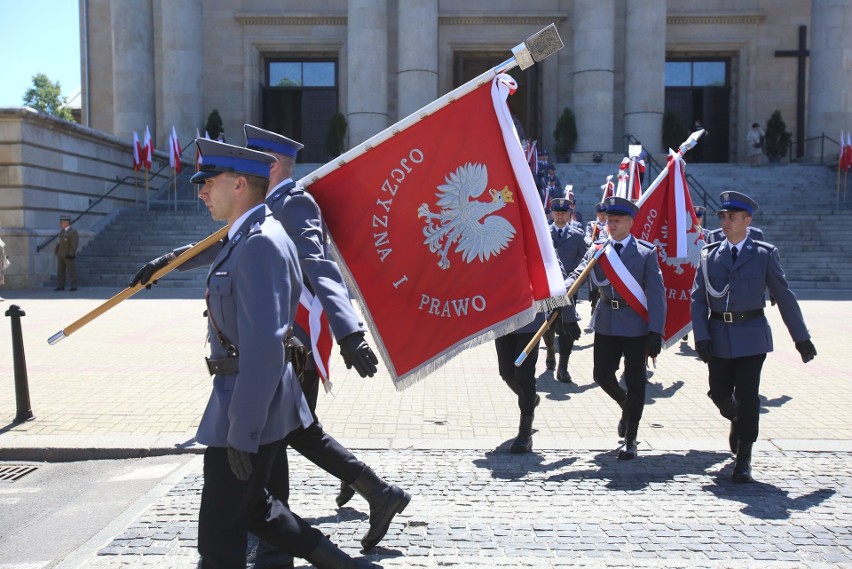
{"type": "Point", "coordinates": [754, 144]}
{"type": "Point", "coordinates": [66, 254]}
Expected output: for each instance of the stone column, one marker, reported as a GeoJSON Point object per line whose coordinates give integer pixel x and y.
{"type": "Point", "coordinates": [133, 66]}
{"type": "Point", "coordinates": [418, 55]}
{"type": "Point", "coordinates": [644, 72]}
{"type": "Point", "coordinates": [830, 80]}
{"type": "Point", "coordinates": [594, 61]}
{"type": "Point", "coordinates": [367, 69]}
{"type": "Point", "coordinates": [181, 102]}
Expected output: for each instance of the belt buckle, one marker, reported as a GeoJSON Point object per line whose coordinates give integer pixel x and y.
{"type": "Point", "coordinates": [728, 317]}
{"type": "Point", "coordinates": [614, 304]}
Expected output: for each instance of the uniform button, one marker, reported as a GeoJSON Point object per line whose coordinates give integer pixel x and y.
{"type": "Point", "coordinates": [254, 436]}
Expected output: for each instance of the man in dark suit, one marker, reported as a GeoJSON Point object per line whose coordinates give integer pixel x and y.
{"type": "Point", "coordinates": [629, 318]}
{"type": "Point", "coordinates": [66, 254]}
{"type": "Point", "coordinates": [253, 289]}
{"type": "Point", "coordinates": [731, 332]}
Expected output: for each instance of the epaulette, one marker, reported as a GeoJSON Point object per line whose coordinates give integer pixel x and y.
{"type": "Point", "coordinates": [764, 245]}
{"type": "Point", "coordinates": [709, 246]}
{"type": "Point", "coordinates": [647, 244]}
{"type": "Point", "coordinates": [255, 228]}
{"type": "Point", "coordinates": [280, 193]}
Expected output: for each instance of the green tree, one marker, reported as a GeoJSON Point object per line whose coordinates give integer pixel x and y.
{"type": "Point", "coordinates": [214, 124]}
{"type": "Point", "coordinates": [565, 134]}
{"type": "Point", "coordinates": [777, 140]}
{"type": "Point", "coordinates": [335, 135]}
{"type": "Point", "coordinates": [45, 96]}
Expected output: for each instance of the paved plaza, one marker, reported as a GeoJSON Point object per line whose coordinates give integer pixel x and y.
{"type": "Point", "coordinates": [133, 383]}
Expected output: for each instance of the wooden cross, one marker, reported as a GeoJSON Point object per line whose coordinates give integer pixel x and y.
{"type": "Point", "coordinates": [801, 54]}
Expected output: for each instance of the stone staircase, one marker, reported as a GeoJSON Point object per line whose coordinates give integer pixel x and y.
{"type": "Point", "coordinates": [797, 214]}
{"type": "Point", "coordinates": [137, 236]}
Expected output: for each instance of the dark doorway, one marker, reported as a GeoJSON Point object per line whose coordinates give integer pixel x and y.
{"type": "Point", "coordinates": [298, 101]}
{"type": "Point", "coordinates": [699, 90]}
{"type": "Point", "coordinates": [525, 103]}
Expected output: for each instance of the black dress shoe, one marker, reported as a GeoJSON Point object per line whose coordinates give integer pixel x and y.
{"type": "Point", "coordinates": [59, 288]}
{"type": "Point", "coordinates": [551, 364]}
{"type": "Point", "coordinates": [742, 468]}
{"type": "Point", "coordinates": [629, 450]}
{"type": "Point", "coordinates": [564, 377]}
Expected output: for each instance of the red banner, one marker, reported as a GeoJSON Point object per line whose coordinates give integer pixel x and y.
{"type": "Point", "coordinates": [442, 234]}
{"type": "Point", "coordinates": [667, 219]}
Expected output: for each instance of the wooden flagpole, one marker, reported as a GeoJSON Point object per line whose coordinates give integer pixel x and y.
{"type": "Point", "coordinates": [130, 291]}
{"type": "Point", "coordinates": [581, 278]}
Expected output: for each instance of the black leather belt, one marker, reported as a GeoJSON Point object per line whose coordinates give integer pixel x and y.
{"type": "Point", "coordinates": [731, 317]}
{"type": "Point", "coordinates": [224, 366]}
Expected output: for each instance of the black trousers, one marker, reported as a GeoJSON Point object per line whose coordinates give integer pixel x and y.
{"type": "Point", "coordinates": [230, 508]}
{"type": "Point", "coordinates": [521, 380]}
{"type": "Point", "coordinates": [320, 448]}
{"type": "Point", "coordinates": [734, 389]}
{"type": "Point", "coordinates": [608, 352]}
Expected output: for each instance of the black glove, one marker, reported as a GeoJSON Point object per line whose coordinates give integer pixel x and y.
{"type": "Point", "coordinates": [653, 344]}
{"type": "Point", "coordinates": [705, 350]}
{"type": "Point", "coordinates": [357, 352]}
{"type": "Point", "coordinates": [240, 463]}
{"type": "Point", "coordinates": [147, 271]}
{"type": "Point", "coordinates": [807, 350]}
{"type": "Point", "coordinates": [573, 329]}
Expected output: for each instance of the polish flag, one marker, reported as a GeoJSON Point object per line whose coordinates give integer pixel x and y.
{"type": "Point", "coordinates": [137, 152]}
{"type": "Point", "coordinates": [148, 146]}
{"type": "Point", "coordinates": [174, 151]}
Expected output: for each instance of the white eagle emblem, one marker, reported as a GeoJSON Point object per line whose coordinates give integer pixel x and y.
{"type": "Point", "coordinates": [694, 243]}
{"type": "Point", "coordinates": [464, 220]}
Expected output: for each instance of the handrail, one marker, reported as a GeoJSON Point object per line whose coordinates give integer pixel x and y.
{"type": "Point", "coordinates": [118, 183]}
{"type": "Point", "coordinates": [822, 138]}
{"type": "Point", "coordinates": [706, 198]}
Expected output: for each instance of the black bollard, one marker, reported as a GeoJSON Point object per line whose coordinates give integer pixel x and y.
{"type": "Point", "coordinates": [22, 388]}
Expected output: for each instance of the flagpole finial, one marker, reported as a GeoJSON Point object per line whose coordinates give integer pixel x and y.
{"type": "Point", "coordinates": [538, 47]}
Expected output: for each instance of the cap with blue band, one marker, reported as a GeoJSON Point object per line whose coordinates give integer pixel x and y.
{"type": "Point", "coordinates": [218, 158]}
{"type": "Point", "coordinates": [267, 141]}
{"type": "Point", "coordinates": [737, 201]}
{"type": "Point", "coordinates": [620, 206]}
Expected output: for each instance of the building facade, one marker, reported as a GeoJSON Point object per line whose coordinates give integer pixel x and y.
{"type": "Point", "coordinates": [289, 66]}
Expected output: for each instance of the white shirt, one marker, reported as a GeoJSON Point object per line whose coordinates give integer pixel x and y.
{"type": "Point", "coordinates": [236, 225]}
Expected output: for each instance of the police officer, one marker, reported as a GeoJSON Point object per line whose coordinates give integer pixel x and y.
{"type": "Point", "coordinates": [699, 215]}
{"type": "Point", "coordinates": [570, 247]}
{"type": "Point", "coordinates": [299, 214]}
{"type": "Point", "coordinates": [620, 328]}
{"type": "Point", "coordinates": [66, 254]}
{"type": "Point", "coordinates": [731, 332]}
{"type": "Point", "coordinates": [253, 289]}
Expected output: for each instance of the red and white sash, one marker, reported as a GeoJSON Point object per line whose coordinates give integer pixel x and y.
{"type": "Point", "coordinates": [311, 317]}
{"type": "Point", "coordinates": [623, 282]}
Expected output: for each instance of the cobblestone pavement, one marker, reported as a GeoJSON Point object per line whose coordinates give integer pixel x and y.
{"type": "Point", "coordinates": [489, 508]}
{"type": "Point", "coordinates": [132, 383]}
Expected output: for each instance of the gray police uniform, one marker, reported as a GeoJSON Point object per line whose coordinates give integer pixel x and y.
{"type": "Point", "coordinates": [620, 330]}
{"type": "Point", "coordinates": [299, 214]}
{"type": "Point", "coordinates": [727, 309]}
{"type": "Point", "coordinates": [255, 408]}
